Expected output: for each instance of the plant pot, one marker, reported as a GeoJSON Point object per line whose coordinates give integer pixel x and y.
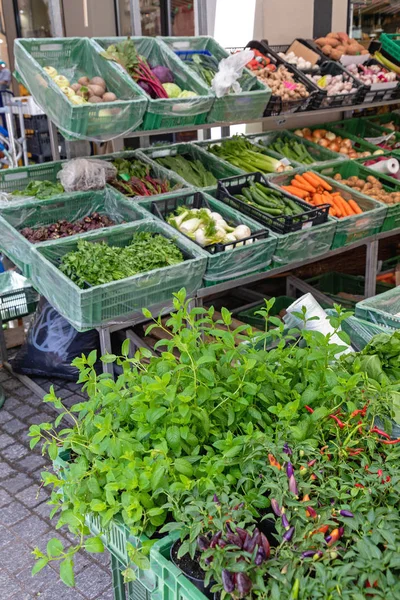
{"type": "Point", "coordinates": [191, 569]}
{"type": "Point", "coordinates": [267, 527]}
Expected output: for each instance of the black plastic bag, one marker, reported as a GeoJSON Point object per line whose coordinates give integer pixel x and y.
{"type": "Point", "coordinates": [52, 344]}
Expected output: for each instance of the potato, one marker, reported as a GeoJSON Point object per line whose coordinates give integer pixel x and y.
{"type": "Point", "coordinates": [95, 90]}
{"type": "Point", "coordinates": [343, 37]}
{"type": "Point", "coordinates": [333, 35]}
{"type": "Point", "coordinates": [95, 99]}
{"type": "Point", "coordinates": [98, 81]}
{"type": "Point", "coordinates": [322, 41]}
{"type": "Point", "coordinates": [336, 54]}
{"type": "Point", "coordinates": [83, 80]}
{"type": "Point", "coordinates": [334, 43]}
{"type": "Point", "coordinates": [364, 51]}
{"type": "Point", "coordinates": [341, 49]}
{"type": "Point", "coordinates": [76, 87]}
{"type": "Point", "coordinates": [327, 49]}
{"type": "Point", "coordinates": [109, 97]}
{"type": "Point", "coordinates": [352, 50]}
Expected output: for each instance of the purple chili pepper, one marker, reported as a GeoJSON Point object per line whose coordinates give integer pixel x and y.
{"type": "Point", "coordinates": [216, 499]}
{"type": "Point", "coordinates": [242, 533]}
{"type": "Point", "coordinates": [308, 554]}
{"type": "Point", "coordinates": [215, 538]}
{"type": "Point", "coordinates": [328, 539]}
{"type": "Point", "coordinates": [265, 544]}
{"type": "Point", "coordinates": [293, 486]}
{"type": "Point", "coordinates": [275, 507]}
{"type": "Point", "coordinates": [288, 535]}
{"type": "Point", "coordinates": [234, 539]}
{"type": "Point", "coordinates": [228, 581]}
{"type": "Point", "coordinates": [347, 513]}
{"type": "Point", "coordinates": [285, 522]}
{"type": "Point", "coordinates": [312, 462]}
{"type": "Point", "coordinates": [243, 583]}
{"type": "Point", "coordinates": [260, 556]}
{"type": "Point", "coordinates": [222, 543]}
{"type": "Point", "coordinates": [287, 450]}
{"type": "Point", "coordinates": [289, 469]}
{"type": "Point", "coordinates": [341, 532]}
{"type": "Point", "coordinates": [333, 501]}
{"type": "Point", "coordinates": [311, 512]}
{"type": "Point", "coordinates": [203, 543]}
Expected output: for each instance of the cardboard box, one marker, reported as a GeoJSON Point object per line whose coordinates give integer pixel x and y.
{"type": "Point", "coordinates": [302, 51]}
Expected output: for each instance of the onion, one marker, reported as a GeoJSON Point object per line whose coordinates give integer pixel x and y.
{"type": "Point", "coordinates": [347, 142]}
{"type": "Point", "coordinates": [319, 133]}
{"type": "Point", "coordinates": [343, 150]}
{"type": "Point", "coordinates": [334, 146]}
{"type": "Point", "coordinates": [330, 136]}
{"type": "Point", "coordinates": [323, 142]}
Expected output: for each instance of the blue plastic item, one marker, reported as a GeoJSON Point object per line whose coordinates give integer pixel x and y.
{"type": "Point", "coordinates": [187, 54]}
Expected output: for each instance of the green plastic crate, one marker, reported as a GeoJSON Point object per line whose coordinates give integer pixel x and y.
{"type": "Point", "coordinates": [156, 171]}
{"type": "Point", "coordinates": [384, 119]}
{"type": "Point", "coordinates": [361, 128]}
{"type": "Point", "coordinates": [331, 284]}
{"type": "Point", "coordinates": [17, 297]}
{"type": "Point", "coordinates": [169, 112]}
{"type": "Point", "coordinates": [229, 264]}
{"type": "Point", "coordinates": [249, 316]}
{"type": "Point", "coordinates": [383, 309]}
{"type": "Point", "coordinates": [348, 229]}
{"type": "Point", "coordinates": [303, 244]}
{"type": "Point", "coordinates": [248, 104]}
{"type": "Point", "coordinates": [18, 179]}
{"type": "Point", "coordinates": [391, 44]}
{"type": "Point", "coordinates": [171, 581]}
{"type": "Point", "coordinates": [74, 58]}
{"type": "Point", "coordinates": [133, 590]}
{"type": "Point", "coordinates": [318, 153]}
{"type": "Point", "coordinates": [98, 305]}
{"type": "Point", "coordinates": [358, 144]}
{"type": "Point", "coordinates": [218, 168]}
{"type": "Point", "coordinates": [390, 184]}
{"type": "Point", "coordinates": [390, 263]}
{"type": "Point", "coordinates": [72, 208]}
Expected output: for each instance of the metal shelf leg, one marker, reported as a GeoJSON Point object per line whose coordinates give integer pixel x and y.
{"type": "Point", "coordinates": [371, 268]}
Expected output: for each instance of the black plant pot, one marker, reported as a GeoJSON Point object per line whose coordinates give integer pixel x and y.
{"type": "Point", "coordinates": [267, 527]}
{"type": "Point", "coordinates": [184, 565]}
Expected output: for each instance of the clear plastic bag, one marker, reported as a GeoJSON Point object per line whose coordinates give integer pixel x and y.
{"type": "Point", "coordinates": [383, 309]}
{"type": "Point", "coordinates": [82, 174]}
{"type": "Point", "coordinates": [230, 70]}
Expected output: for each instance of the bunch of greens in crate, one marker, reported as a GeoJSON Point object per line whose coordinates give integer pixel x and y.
{"type": "Point", "coordinates": [97, 263]}
{"type": "Point", "coordinates": [40, 190]}
{"type": "Point", "coordinates": [134, 179]}
{"type": "Point", "coordinates": [292, 150]}
{"type": "Point", "coordinates": [191, 170]}
{"type": "Point", "coordinates": [207, 66]}
{"type": "Point", "coordinates": [175, 422]}
{"type": "Point", "coordinates": [269, 201]}
{"type": "Point", "coordinates": [246, 156]}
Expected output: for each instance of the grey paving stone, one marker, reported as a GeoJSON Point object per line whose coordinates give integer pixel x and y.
{"type": "Point", "coordinates": [5, 498]}
{"type": "Point", "coordinates": [14, 452]}
{"type": "Point", "coordinates": [63, 393]}
{"type": "Point", "coordinates": [5, 440]}
{"type": "Point", "coordinates": [40, 417]}
{"type": "Point", "coordinates": [4, 375]}
{"type": "Point", "coordinates": [37, 584]}
{"type": "Point", "coordinates": [6, 536]}
{"type": "Point", "coordinates": [24, 411]}
{"type": "Point", "coordinates": [94, 582]}
{"type": "Point", "coordinates": [15, 556]}
{"type": "Point", "coordinates": [9, 586]}
{"type": "Point", "coordinates": [10, 385]}
{"type": "Point", "coordinates": [5, 416]}
{"type": "Point", "coordinates": [13, 513]}
{"type": "Point", "coordinates": [32, 496]}
{"type": "Point", "coordinates": [24, 596]}
{"type": "Point", "coordinates": [32, 463]}
{"type": "Point", "coordinates": [44, 510]}
{"type": "Point", "coordinates": [14, 426]}
{"type": "Point", "coordinates": [17, 483]}
{"type": "Point", "coordinates": [59, 591]}
{"type": "Point", "coordinates": [6, 471]}
{"type": "Point", "coordinates": [108, 594]}
{"type": "Point", "coordinates": [30, 529]}
{"type": "Point", "coordinates": [23, 392]}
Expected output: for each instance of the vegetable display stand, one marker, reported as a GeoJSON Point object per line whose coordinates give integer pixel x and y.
{"type": "Point", "coordinates": [391, 45]}
{"type": "Point", "coordinates": [277, 104]}
{"type": "Point", "coordinates": [324, 100]}
{"type": "Point", "coordinates": [359, 145]}
{"type": "Point", "coordinates": [156, 172]}
{"type": "Point", "coordinates": [383, 309]}
{"type": "Point", "coordinates": [75, 58]}
{"type": "Point", "coordinates": [363, 128]}
{"type": "Point", "coordinates": [248, 104]}
{"type": "Point", "coordinates": [164, 113]}
{"type": "Point", "coordinates": [17, 297]}
{"type": "Point", "coordinates": [379, 92]}
{"type": "Point", "coordinates": [300, 152]}
{"type": "Point", "coordinates": [71, 208]}
{"type": "Point", "coordinates": [353, 169]}
{"type": "Point", "coordinates": [308, 216]}
{"type": "Point", "coordinates": [230, 260]}
{"type": "Point", "coordinates": [384, 120]}
{"type": "Point", "coordinates": [303, 244]}
{"type": "Point", "coordinates": [348, 229]}
{"type": "Point", "coordinates": [98, 305]}
{"type": "Point", "coordinates": [172, 583]}
{"type": "Point", "coordinates": [209, 162]}
{"type": "Point", "coordinates": [338, 287]}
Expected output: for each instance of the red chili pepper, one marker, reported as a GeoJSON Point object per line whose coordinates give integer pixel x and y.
{"type": "Point", "coordinates": [313, 476]}
{"type": "Point", "coordinates": [388, 478]}
{"type": "Point", "coordinates": [323, 529]}
{"type": "Point", "coordinates": [390, 442]}
{"type": "Point", "coordinates": [380, 472]}
{"type": "Point", "coordinates": [359, 485]}
{"type": "Point", "coordinates": [338, 421]}
{"type": "Point", "coordinates": [306, 498]}
{"type": "Point", "coordinates": [310, 410]}
{"type": "Point", "coordinates": [273, 462]}
{"type": "Point", "coordinates": [312, 462]}
{"type": "Point", "coordinates": [333, 537]}
{"type": "Point", "coordinates": [380, 432]}
{"type": "Point", "coordinates": [355, 451]}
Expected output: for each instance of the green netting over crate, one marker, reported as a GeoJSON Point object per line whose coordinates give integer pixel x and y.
{"type": "Point", "coordinates": [348, 229]}
{"type": "Point", "coordinates": [361, 332]}
{"type": "Point", "coordinates": [169, 112]}
{"type": "Point", "coordinates": [246, 105]}
{"type": "Point", "coordinates": [107, 202]}
{"type": "Point", "coordinates": [219, 169]}
{"type": "Point", "coordinates": [334, 284]}
{"type": "Point", "coordinates": [171, 581]}
{"type": "Point", "coordinates": [360, 128]}
{"type": "Point", "coordinates": [384, 119]}
{"type": "Point", "coordinates": [358, 144]}
{"type": "Point", "coordinates": [303, 244]}
{"type": "Point", "coordinates": [75, 58]}
{"type": "Point", "coordinates": [222, 265]}
{"type": "Point", "coordinates": [353, 169]}
{"type": "Point", "coordinates": [383, 309]}
{"type": "Point", "coordinates": [302, 147]}
{"type": "Point", "coordinates": [132, 590]}
{"type": "Point", "coordinates": [156, 171]}
{"type": "Point", "coordinates": [101, 304]}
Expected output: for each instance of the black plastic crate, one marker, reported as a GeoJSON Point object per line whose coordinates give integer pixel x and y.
{"type": "Point", "coordinates": [284, 48]}
{"type": "Point", "coordinates": [378, 95]}
{"type": "Point", "coordinates": [39, 145]}
{"type": "Point", "coordinates": [37, 123]}
{"type": "Point", "coordinates": [163, 208]}
{"type": "Point", "coordinates": [227, 188]}
{"type": "Point", "coordinates": [322, 100]}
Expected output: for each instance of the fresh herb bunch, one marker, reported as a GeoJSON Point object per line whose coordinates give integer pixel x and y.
{"type": "Point", "coordinates": [134, 178]}
{"type": "Point", "coordinates": [98, 263]}
{"type": "Point", "coordinates": [192, 171]}
{"type": "Point", "coordinates": [40, 190]}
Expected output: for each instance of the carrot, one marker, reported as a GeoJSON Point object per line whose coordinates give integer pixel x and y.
{"type": "Point", "coordinates": [346, 207]}
{"type": "Point", "coordinates": [295, 191]}
{"type": "Point", "coordinates": [338, 207]}
{"type": "Point", "coordinates": [355, 207]}
{"type": "Point", "coordinates": [300, 186]}
{"type": "Point", "coordinates": [310, 178]}
{"type": "Point", "coordinates": [304, 183]}
{"type": "Point", "coordinates": [319, 181]}
{"type": "Point", "coordinates": [317, 199]}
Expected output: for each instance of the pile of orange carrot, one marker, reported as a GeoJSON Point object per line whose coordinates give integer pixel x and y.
{"type": "Point", "coordinates": [311, 188]}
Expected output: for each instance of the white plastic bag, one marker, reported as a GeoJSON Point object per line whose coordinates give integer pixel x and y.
{"type": "Point", "coordinates": [230, 70]}
{"type": "Point", "coordinates": [83, 174]}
